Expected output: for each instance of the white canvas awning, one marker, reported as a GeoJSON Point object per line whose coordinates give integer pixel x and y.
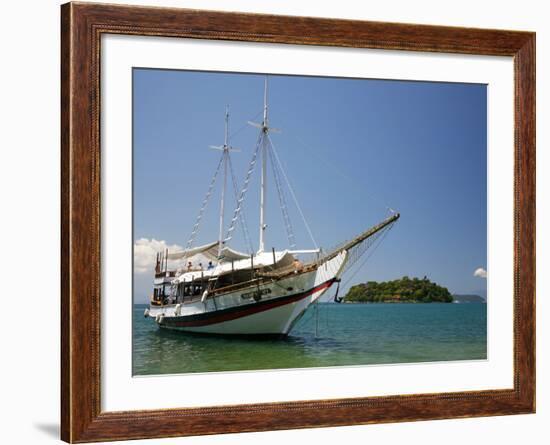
{"type": "Point", "coordinates": [281, 259]}
{"type": "Point", "coordinates": [210, 251]}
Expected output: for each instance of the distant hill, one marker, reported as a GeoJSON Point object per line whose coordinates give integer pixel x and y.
{"type": "Point", "coordinates": [482, 293]}
{"type": "Point", "coordinates": [404, 290]}
{"type": "Point", "coordinates": [468, 299]}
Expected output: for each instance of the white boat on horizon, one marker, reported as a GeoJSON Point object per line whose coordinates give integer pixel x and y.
{"type": "Point", "coordinates": [262, 293]}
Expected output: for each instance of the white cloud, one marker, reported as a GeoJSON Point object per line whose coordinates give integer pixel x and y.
{"type": "Point", "coordinates": [480, 272]}
{"type": "Point", "coordinates": [145, 254]}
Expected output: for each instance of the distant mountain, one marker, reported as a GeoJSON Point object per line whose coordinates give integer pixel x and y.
{"type": "Point", "coordinates": [468, 299]}
{"type": "Point", "coordinates": [482, 293]}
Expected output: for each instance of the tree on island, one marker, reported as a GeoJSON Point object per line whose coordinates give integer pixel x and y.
{"type": "Point", "coordinates": [404, 290]}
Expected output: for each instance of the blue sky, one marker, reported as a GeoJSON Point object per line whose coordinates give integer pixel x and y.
{"type": "Point", "coordinates": [350, 147]}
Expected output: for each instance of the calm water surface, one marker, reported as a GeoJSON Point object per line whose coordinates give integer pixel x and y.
{"type": "Point", "coordinates": [329, 335]}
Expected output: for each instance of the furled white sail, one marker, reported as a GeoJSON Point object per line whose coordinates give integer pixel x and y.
{"type": "Point", "coordinates": [210, 251]}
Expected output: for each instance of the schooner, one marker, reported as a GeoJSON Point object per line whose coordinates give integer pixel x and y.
{"type": "Point", "coordinates": [263, 293]}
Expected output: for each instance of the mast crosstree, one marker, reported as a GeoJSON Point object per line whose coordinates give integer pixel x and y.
{"type": "Point", "coordinates": [267, 154]}
{"type": "Point", "coordinates": [225, 163]}
{"type": "Point", "coordinates": [225, 149]}
{"type": "Point", "coordinates": [266, 151]}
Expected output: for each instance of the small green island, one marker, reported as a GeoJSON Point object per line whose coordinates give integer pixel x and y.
{"type": "Point", "coordinates": [404, 290]}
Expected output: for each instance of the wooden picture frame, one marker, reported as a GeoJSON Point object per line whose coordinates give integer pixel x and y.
{"type": "Point", "coordinates": [82, 25]}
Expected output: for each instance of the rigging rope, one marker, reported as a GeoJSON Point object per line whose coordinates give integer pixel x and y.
{"type": "Point", "coordinates": [232, 135]}
{"type": "Point", "coordinates": [195, 230]}
{"type": "Point", "coordinates": [282, 202]}
{"type": "Point", "coordinates": [292, 192]}
{"type": "Point", "coordinates": [244, 189]}
{"type": "Point", "coordinates": [242, 219]}
{"type": "Point", "coordinates": [334, 168]}
{"type": "Point", "coordinates": [209, 193]}
{"type": "Point", "coordinates": [378, 237]}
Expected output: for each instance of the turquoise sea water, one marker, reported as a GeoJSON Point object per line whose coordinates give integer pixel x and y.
{"type": "Point", "coordinates": [327, 335]}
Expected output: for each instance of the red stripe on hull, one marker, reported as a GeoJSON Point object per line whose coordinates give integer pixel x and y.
{"type": "Point", "coordinates": [219, 318]}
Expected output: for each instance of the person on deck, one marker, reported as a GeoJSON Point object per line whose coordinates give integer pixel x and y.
{"type": "Point", "coordinates": [189, 266]}
{"type": "Point", "coordinates": [210, 266]}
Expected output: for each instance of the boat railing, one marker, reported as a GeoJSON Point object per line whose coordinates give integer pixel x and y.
{"type": "Point", "coordinates": [232, 287]}
{"type": "Point", "coordinates": [288, 270]}
{"type": "Point", "coordinates": [166, 274]}
{"type": "Point", "coordinates": [263, 274]}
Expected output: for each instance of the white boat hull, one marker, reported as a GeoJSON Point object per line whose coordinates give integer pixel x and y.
{"type": "Point", "coordinates": [282, 304]}
{"type": "Point", "coordinates": [277, 320]}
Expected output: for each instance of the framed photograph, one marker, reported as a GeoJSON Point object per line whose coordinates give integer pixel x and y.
{"type": "Point", "coordinates": [274, 222]}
